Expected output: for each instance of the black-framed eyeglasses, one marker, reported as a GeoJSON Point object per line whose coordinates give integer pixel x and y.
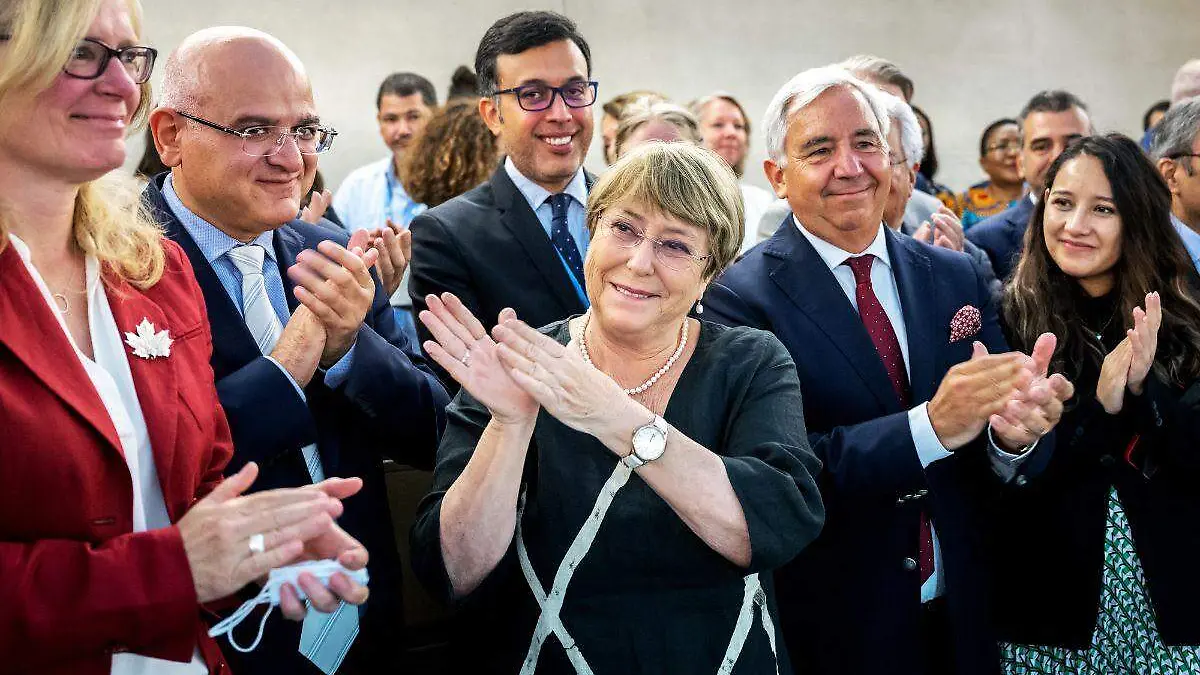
{"type": "Point", "coordinates": [90, 59]}
{"type": "Point", "coordinates": [673, 253]}
{"type": "Point", "coordinates": [1183, 154]}
{"type": "Point", "coordinates": [264, 141]}
{"type": "Point", "coordinates": [536, 96]}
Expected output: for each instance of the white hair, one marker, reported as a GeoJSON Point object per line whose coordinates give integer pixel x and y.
{"type": "Point", "coordinates": [1187, 81]}
{"type": "Point", "coordinates": [802, 90]}
{"type": "Point", "coordinates": [912, 143]}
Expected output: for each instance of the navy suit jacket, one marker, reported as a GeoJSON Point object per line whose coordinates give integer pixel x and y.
{"type": "Point", "coordinates": [850, 603]}
{"type": "Point", "coordinates": [391, 405]}
{"type": "Point", "coordinates": [1002, 236]}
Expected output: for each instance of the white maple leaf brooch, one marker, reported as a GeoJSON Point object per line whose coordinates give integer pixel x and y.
{"type": "Point", "coordinates": [149, 343]}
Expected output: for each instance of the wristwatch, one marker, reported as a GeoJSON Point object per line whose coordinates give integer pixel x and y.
{"type": "Point", "coordinates": [649, 443]}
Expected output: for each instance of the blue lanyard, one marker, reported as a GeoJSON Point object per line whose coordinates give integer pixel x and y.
{"type": "Point", "coordinates": [574, 282]}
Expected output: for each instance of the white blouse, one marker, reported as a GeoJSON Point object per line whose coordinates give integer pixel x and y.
{"type": "Point", "coordinates": [111, 377]}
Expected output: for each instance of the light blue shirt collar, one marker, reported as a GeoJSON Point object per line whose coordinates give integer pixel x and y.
{"type": "Point", "coordinates": [834, 256]}
{"type": "Point", "coordinates": [536, 195]}
{"type": "Point", "coordinates": [213, 242]}
{"type": "Point", "coordinates": [1191, 240]}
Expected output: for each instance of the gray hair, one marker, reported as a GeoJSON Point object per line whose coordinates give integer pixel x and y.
{"type": "Point", "coordinates": [802, 90]}
{"type": "Point", "coordinates": [1187, 81]}
{"type": "Point", "coordinates": [870, 67]}
{"type": "Point", "coordinates": [1177, 130]}
{"type": "Point", "coordinates": [912, 143]}
{"type": "Point", "coordinates": [640, 113]}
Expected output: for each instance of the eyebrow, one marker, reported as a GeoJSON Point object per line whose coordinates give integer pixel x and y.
{"type": "Point", "coordinates": [538, 80]}
{"type": "Point", "coordinates": [259, 121]}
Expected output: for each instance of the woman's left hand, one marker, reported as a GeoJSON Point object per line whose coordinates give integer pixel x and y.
{"type": "Point", "coordinates": [1144, 339]}
{"type": "Point", "coordinates": [556, 376]}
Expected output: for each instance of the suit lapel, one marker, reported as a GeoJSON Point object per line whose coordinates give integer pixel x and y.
{"type": "Point", "coordinates": [232, 342]}
{"type": "Point", "coordinates": [288, 244]}
{"type": "Point", "coordinates": [521, 221]}
{"type": "Point", "coordinates": [155, 380]}
{"type": "Point", "coordinates": [914, 281]}
{"type": "Point", "coordinates": [804, 277]}
{"type": "Point", "coordinates": [33, 334]}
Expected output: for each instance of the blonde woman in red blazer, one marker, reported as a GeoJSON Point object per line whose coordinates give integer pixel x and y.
{"type": "Point", "coordinates": [115, 527]}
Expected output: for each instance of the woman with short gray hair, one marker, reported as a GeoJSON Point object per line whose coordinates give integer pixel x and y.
{"type": "Point", "coordinates": [613, 490]}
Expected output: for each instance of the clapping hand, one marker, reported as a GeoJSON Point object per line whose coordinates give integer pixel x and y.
{"type": "Point", "coordinates": [1128, 365]}
{"type": "Point", "coordinates": [394, 246]}
{"type": "Point", "coordinates": [556, 376]}
{"type": "Point", "coordinates": [1033, 410]}
{"type": "Point", "coordinates": [463, 348]}
{"type": "Point", "coordinates": [318, 204]}
{"type": "Point", "coordinates": [947, 228]}
{"type": "Point", "coordinates": [336, 285]}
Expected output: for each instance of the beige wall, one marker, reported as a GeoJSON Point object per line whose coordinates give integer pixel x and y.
{"type": "Point", "coordinates": [971, 62]}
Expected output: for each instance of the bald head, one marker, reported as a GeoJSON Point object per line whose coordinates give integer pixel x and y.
{"type": "Point", "coordinates": [208, 60]}
{"type": "Point", "coordinates": [1187, 82]}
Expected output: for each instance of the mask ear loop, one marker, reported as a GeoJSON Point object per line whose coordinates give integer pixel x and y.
{"type": "Point", "coordinates": [229, 623]}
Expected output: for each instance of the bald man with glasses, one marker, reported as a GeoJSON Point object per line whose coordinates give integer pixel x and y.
{"type": "Point", "coordinates": [310, 366]}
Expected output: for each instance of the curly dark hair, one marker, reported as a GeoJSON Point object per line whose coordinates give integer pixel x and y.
{"type": "Point", "coordinates": [1039, 297]}
{"type": "Point", "coordinates": [454, 153]}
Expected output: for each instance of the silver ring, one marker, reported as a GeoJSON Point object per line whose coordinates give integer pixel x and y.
{"type": "Point", "coordinates": [466, 358]}
{"type": "Point", "coordinates": [258, 543]}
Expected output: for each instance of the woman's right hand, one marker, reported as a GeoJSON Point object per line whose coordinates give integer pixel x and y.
{"type": "Point", "coordinates": [216, 531]}
{"type": "Point", "coordinates": [456, 333]}
{"type": "Point", "coordinates": [1114, 375]}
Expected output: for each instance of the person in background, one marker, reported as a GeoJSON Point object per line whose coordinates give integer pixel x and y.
{"type": "Point", "coordinates": [929, 167]}
{"type": "Point", "coordinates": [372, 197]}
{"type": "Point", "coordinates": [115, 524]}
{"type": "Point", "coordinates": [1176, 151]}
{"type": "Point", "coordinates": [309, 364]}
{"type": "Point", "coordinates": [660, 122]}
{"type": "Point", "coordinates": [150, 165]}
{"type": "Point", "coordinates": [725, 128]}
{"type": "Point", "coordinates": [1109, 528]}
{"type": "Point", "coordinates": [999, 148]}
{"type": "Point", "coordinates": [518, 241]}
{"type": "Point", "coordinates": [463, 84]}
{"type": "Point", "coordinates": [1184, 85]}
{"type": "Point", "coordinates": [1049, 122]}
{"type": "Point", "coordinates": [455, 153]}
{"type": "Point", "coordinates": [943, 228]}
{"type": "Point", "coordinates": [1154, 114]}
{"type": "Point", "coordinates": [648, 465]}
{"type": "Point", "coordinates": [614, 108]}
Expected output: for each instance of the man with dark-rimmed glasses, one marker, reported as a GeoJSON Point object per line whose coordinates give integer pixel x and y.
{"type": "Point", "coordinates": [519, 240]}
{"type": "Point", "coordinates": [311, 369]}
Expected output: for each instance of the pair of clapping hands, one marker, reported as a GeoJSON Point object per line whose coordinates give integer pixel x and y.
{"type": "Point", "coordinates": [517, 370]}
{"type": "Point", "coordinates": [295, 524]}
{"type": "Point", "coordinates": [1128, 364]}
{"type": "Point", "coordinates": [335, 291]}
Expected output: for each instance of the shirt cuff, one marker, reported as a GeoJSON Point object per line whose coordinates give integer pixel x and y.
{"type": "Point", "coordinates": [340, 371]}
{"type": "Point", "coordinates": [929, 448]}
{"type": "Point", "coordinates": [1005, 464]}
{"type": "Point", "coordinates": [299, 389]}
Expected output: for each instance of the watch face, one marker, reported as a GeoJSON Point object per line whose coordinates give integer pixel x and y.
{"type": "Point", "coordinates": [649, 442]}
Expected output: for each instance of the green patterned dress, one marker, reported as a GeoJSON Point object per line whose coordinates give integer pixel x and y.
{"type": "Point", "coordinates": [1126, 641]}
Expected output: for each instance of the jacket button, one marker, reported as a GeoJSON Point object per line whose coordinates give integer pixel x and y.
{"type": "Point", "coordinates": [1078, 432]}
{"type": "Point", "coordinates": [901, 501]}
{"type": "Point", "coordinates": [1107, 460]}
{"type": "Point", "coordinates": [910, 564]}
{"type": "Point", "coordinates": [1021, 481]}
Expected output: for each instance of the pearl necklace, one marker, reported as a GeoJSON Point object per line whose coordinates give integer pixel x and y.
{"type": "Point", "coordinates": [653, 378]}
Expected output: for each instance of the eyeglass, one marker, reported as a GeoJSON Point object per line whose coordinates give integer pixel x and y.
{"type": "Point", "coordinates": [264, 141]}
{"type": "Point", "coordinates": [1006, 146]}
{"type": "Point", "coordinates": [671, 252]}
{"type": "Point", "coordinates": [535, 97]}
{"type": "Point", "coordinates": [1183, 154]}
{"type": "Point", "coordinates": [90, 59]}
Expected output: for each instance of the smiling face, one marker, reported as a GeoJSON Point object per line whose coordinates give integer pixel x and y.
{"type": "Point", "coordinates": [1002, 148]}
{"type": "Point", "coordinates": [723, 130]}
{"type": "Point", "coordinates": [75, 130]}
{"type": "Point", "coordinates": [632, 292]}
{"type": "Point", "coordinates": [241, 83]}
{"type": "Point", "coordinates": [837, 176]}
{"type": "Point", "coordinates": [1082, 226]}
{"type": "Point", "coordinates": [547, 146]}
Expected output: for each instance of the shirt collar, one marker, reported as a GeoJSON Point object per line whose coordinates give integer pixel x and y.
{"type": "Point", "coordinates": [536, 195]}
{"type": "Point", "coordinates": [834, 256]}
{"type": "Point", "coordinates": [212, 241]}
{"type": "Point", "coordinates": [389, 175]}
{"type": "Point", "coordinates": [1191, 240]}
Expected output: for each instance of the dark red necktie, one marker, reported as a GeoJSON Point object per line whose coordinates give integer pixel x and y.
{"type": "Point", "coordinates": [882, 334]}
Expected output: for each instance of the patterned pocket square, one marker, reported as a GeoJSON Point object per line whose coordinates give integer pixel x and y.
{"type": "Point", "coordinates": [966, 323]}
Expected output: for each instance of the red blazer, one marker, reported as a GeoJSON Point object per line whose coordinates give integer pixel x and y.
{"type": "Point", "coordinates": [76, 584]}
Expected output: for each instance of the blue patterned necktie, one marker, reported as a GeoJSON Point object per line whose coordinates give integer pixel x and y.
{"type": "Point", "coordinates": [561, 237]}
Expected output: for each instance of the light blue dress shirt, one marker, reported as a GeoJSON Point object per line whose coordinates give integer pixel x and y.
{"type": "Point", "coordinates": [368, 198]}
{"type": "Point", "coordinates": [539, 200]}
{"type": "Point", "coordinates": [925, 440]}
{"type": "Point", "coordinates": [214, 244]}
{"type": "Point", "coordinates": [1191, 240]}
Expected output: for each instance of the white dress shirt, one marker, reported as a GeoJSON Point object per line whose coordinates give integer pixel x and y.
{"type": "Point", "coordinates": [110, 375]}
{"type": "Point", "coordinates": [925, 440]}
